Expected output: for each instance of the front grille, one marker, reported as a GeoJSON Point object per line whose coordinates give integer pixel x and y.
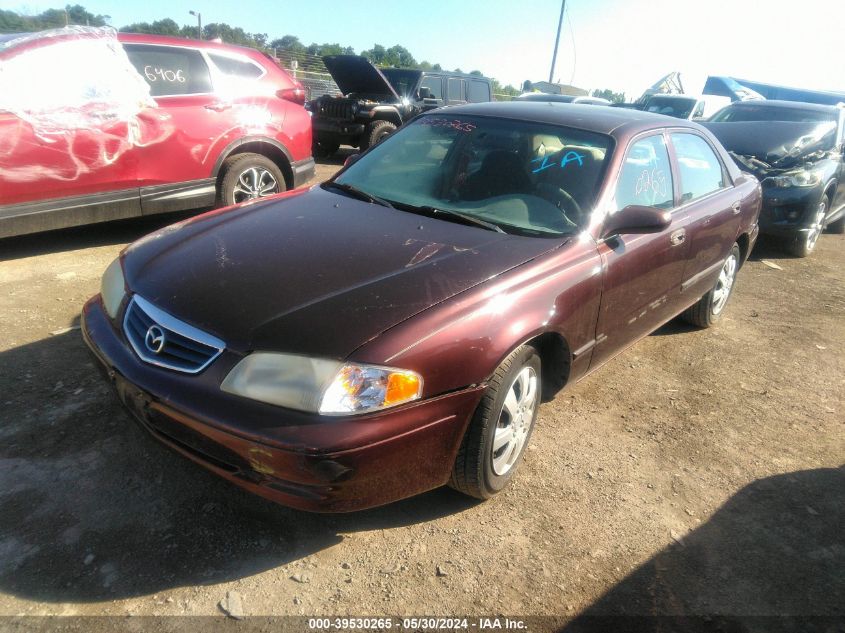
{"type": "Point", "coordinates": [336, 109]}
{"type": "Point", "coordinates": [163, 340]}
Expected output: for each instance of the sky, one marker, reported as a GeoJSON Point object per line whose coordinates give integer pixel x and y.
{"type": "Point", "coordinates": [624, 45]}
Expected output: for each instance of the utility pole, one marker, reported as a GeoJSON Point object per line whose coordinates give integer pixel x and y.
{"type": "Point", "coordinates": [199, 23]}
{"type": "Point", "coordinates": [557, 40]}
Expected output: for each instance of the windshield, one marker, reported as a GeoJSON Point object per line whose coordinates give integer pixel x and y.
{"type": "Point", "coordinates": [404, 82]}
{"type": "Point", "coordinates": [678, 108]}
{"type": "Point", "coordinates": [527, 178]}
{"type": "Point", "coordinates": [769, 113]}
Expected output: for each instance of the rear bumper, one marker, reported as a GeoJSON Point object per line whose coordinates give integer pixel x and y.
{"type": "Point", "coordinates": [304, 462]}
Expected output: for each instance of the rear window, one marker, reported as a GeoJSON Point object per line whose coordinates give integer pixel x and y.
{"type": "Point", "coordinates": [170, 70]}
{"type": "Point", "coordinates": [230, 66]}
{"type": "Point", "coordinates": [479, 91]}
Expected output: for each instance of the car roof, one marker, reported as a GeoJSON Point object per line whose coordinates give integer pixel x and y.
{"type": "Point", "coordinates": [595, 118]}
{"type": "Point", "coordinates": [166, 40]}
{"type": "Point", "coordinates": [778, 103]}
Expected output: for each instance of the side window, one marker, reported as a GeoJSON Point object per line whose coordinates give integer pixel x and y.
{"type": "Point", "coordinates": [435, 84]}
{"type": "Point", "coordinates": [170, 70]}
{"type": "Point", "coordinates": [479, 91]}
{"type": "Point", "coordinates": [456, 90]}
{"type": "Point", "coordinates": [241, 69]}
{"type": "Point", "coordinates": [700, 170]}
{"type": "Point", "coordinates": [646, 176]}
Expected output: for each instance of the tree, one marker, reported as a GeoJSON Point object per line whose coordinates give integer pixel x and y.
{"type": "Point", "coordinates": [288, 43]}
{"type": "Point", "coordinates": [159, 27]}
{"type": "Point", "coordinates": [613, 97]}
{"type": "Point", "coordinates": [11, 22]}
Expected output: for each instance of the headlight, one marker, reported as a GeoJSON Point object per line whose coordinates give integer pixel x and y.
{"type": "Point", "coordinates": [315, 385]}
{"type": "Point", "coordinates": [113, 287]}
{"type": "Point", "coordinates": [798, 178]}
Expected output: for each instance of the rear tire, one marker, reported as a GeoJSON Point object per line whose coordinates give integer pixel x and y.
{"type": "Point", "coordinates": [247, 177]}
{"type": "Point", "coordinates": [711, 306]}
{"type": "Point", "coordinates": [376, 132]}
{"type": "Point", "coordinates": [501, 427]}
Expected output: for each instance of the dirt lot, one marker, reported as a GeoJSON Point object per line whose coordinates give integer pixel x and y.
{"type": "Point", "coordinates": [699, 472]}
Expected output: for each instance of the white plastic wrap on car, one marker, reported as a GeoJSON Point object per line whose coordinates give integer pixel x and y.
{"type": "Point", "coordinates": [71, 84]}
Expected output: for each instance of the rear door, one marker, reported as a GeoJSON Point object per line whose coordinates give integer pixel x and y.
{"type": "Point", "coordinates": [183, 129]}
{"type": "Point", "coordinates": [642, 273]}
{"type": "Point", "coordinates": [457, 91]}
{"type": "Point", "coordinates": [713, 207]}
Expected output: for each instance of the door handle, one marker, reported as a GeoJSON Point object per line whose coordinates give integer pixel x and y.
{"type": "Point", "coordinates": [678, 237]}
{"type": "Point", "coordinates": [218, 107]}
{"type": "Point", "coordinates": [736, 207]}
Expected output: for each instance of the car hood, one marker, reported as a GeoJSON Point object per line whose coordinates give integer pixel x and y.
{"type": "Point", "coordinates": [314, 273]}
{"type": "Point", "coordinates": [356, 75]}
{"type": "Point", "coordinates": [779, 144]}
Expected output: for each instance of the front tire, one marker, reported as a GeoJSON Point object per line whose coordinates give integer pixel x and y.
{"type": "Point", "coordinates": [376, 132]}
{"type": "Point", "coordinates": [248, 177]}
{"type": "Point", "coordinates": [710, 307]}
{"type": "Point", "coordinates": [501, 427]}
{"type": "Point", "coordinates": [805, 243]}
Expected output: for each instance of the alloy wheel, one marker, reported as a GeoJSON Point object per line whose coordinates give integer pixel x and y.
{"type": "Point", "coordinates": [254, 182]}
{"type": "Point", "coordinates": [816, 228]}
{"type": "Point", "coordinates": [515, 420]}
{"type": "Point", "coordinates": [724, 284]}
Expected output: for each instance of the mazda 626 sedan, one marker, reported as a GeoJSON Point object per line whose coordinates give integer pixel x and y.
{"type": "Point", "coordinates": [395, 329]}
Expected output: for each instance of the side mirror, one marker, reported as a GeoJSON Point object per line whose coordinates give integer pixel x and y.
{"type": "Point", "coordinates": [351, 159]}
{"type": "Point", "coordinates": [425, 93]}
{"type": "Point", "coordinates": [637, 219]}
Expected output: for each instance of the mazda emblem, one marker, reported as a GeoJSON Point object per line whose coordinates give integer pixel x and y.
{"type": "Point", "coordinates": [154, 339]}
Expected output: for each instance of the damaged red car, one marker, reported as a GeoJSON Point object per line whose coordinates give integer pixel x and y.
{"type": "Point", "coordinates": [396, 328]}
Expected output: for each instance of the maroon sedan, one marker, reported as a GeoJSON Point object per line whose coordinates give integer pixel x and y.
{"type": "Point", "coordinates": [395, 329]}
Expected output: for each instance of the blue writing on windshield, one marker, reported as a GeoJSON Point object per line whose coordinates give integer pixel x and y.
{"type": "Point", "coordinates": [546, 162]}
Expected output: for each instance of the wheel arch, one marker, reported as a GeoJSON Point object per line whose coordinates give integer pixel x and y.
{"type": "Point", "coordinates": [555, 362]}
{"type": "Point", "coordinates": [261, 145]}
{"type": "Point", "coordinates": [387, 113]}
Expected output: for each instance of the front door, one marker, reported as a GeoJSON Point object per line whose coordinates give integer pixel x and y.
{"type": "Point", "coordinates": [642, 273]}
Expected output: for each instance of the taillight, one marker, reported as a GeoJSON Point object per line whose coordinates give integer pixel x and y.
{"type": "Point", "coordinates": [296, 95]}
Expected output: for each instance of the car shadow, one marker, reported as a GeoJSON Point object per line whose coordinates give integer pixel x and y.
{"type": "Point", "coordinates": [337, 158]}
{"type": "Point", "coordinates": [92, 508]}
{"type": "Point", "coordinates": [769, 559]}
{"type": "Point", "coordinates": [88, 236]}
{"type": "Point", "coordinates": [769, 247]}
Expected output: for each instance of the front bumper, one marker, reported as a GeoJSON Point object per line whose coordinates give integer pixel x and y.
{"type": "Point", "coordinates": [304, 461]}
{"type": "Point", "coordinates": [336, 130]}
{"type": "Point", "coordinates": [787, 212]}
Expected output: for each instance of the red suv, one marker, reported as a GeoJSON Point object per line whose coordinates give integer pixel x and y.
{"type": "Point", "coordinates": [98, 126]}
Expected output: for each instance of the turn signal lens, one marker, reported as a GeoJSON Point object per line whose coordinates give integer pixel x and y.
{"type": "Point", "coordinates": [401, 388]}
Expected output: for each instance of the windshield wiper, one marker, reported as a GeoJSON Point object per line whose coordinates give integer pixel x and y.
{"type": "Point", "coordinates": [357, 193]}
{"type": "Point", "coordinates": [449, 213]}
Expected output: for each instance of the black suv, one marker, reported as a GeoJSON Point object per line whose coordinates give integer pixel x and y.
{"type": "Point", "coordinates": [376, 102]}
{"type": "Point", "coordinates": [796, 150]}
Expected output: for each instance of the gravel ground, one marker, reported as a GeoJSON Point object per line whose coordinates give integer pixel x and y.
{"type": "Point", "coordinates": [700, 472]}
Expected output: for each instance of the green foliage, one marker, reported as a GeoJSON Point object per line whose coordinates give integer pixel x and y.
{"type": "Point", "coordinates": [613, 97]}
{"type": "Point", "coordinates": [397, 56]}
{"type": "Point", "coordinates": [159, 27]}
{"type": "Point", "coordinates": [13, 22]}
